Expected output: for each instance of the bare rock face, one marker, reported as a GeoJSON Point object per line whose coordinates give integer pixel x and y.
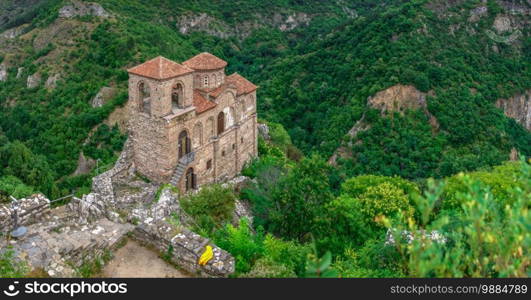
{"type": "Point", "coordinates": [398, 98]}
{"type": "Point", "coordinates": [19, 72]}
{"type": "Point", "coordinates": [3, 72]}
{"type": "Point", "coordinates": [104, 95]}
{"type": "Point", "coordinates": [293, 21]}
{"type": "Point", "coordinates": [14, 32]}
{"type": "Point", "coordinates": [263, 131]}
{"type": "Point", "coordinates": [518, 107]}
{"type": "Point", "coordinates": [205, 23]}
{"type": "Point", "coordinates": [84, 165]}
{"type": "Point", "coordinates": [34, 81]}
{"type": "Point", "coordinates": [477, 13]}
{"type": "Point", "coordinates": [502, 24]}
{"type": "Point", "coordinates": [79, 9]}
{"type": "Point", "coordinates": [51, 82]}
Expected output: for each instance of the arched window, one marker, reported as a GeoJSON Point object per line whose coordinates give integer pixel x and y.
{"type": "Point", "coordinates": [205, 81]}
{"type": "Point", "coordinates": [144, 97]}
{"type": "Point", "coordinates": [221, 122]}
{"type": "Point", "coordinates": [190, 180]}
{"type": "Point", "coordinates": [198, 135]}
{"type": "Point", "coordinates": [177, 97]}
{"type": "Point", "coordinates": [184, 144]}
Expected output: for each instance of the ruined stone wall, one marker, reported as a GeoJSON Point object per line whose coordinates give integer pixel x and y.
{"type": "Point", "coordinates": [153, 147]}
{"type": "Point", "coordinates": [184, 248]}
{"type": "Point", "coordinates": [30, 210]}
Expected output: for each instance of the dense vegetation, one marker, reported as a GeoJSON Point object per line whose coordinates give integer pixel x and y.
{"type": "Point", "coordinates": [468, 225]}
{"type": "Point", "coordinates": [315, 87]}
{"type": "Point", "coordinates": [311, 219]}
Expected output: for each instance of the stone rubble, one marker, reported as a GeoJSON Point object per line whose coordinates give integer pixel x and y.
{"type": "Point", "coordinates": [60, 240]}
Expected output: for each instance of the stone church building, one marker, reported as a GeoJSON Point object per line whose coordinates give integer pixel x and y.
{"type": "Point", "coordinates": [190, 124]}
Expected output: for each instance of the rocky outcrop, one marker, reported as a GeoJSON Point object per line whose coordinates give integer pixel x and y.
{"type": "Point", "coordinates": [400, 98]}
{"type": "Point", "coordinates": [51, 82]}
{"type": "Point", "coordinates": [84, 165]}
{"type": "Point", "coordinates": [205, 23]}
{"type": "Point", "coordinates": [3, 72]}
{"type": "Point", "coordinates": [477, 13]}
{"type": "Point", "coordinates": [79, 9]}
{"type": "Point", "coordinates": [397, 98]}
{"type": "Point", "coordinates": [14, 32]}
{"type": "Point", "coordinates": [518, 107]}
{"type": "Point", "coordinates": [263, 131]}
{"type": "Point", "coordinates": [19, 72]}
{"type": "Point", "coordinates": [33, 81]}
{"type": "Point", "coordinates": [103, 96]}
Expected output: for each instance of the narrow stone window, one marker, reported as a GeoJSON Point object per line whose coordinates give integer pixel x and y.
{"type": "Point", "coordinates": [223, 153]}
{"type": "Point", "coordinates": [241, 139]}
{"type": "Point", "coordinates": [221, 123]}
{"type": "Point", "coordinates": [144, 97]}
{"type": "Point", "coordinates": [205, 81]}
{"type": "Point", "coordinates": [233, 146]}
{"type": "Point", "coordinates": [209, 164]}
{"type": "Point", "coordinates": [177, 97]}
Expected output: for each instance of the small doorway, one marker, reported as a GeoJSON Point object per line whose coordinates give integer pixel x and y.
{"type": "Point", "coordinates": [190, 180]}
{"type": "Point", "coordinates": [185, 146]}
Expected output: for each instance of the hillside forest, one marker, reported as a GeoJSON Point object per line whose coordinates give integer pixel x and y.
{"type": "Point", "coordinates": [437, 189]}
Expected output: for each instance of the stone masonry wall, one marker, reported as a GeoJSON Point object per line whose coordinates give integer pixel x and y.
{"type": "Point", "coordinates": [184, 248]}
{"type": "Point", "coordinates": [37, 206]}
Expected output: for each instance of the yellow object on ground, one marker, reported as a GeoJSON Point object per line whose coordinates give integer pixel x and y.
{"type": "Point", "coordinates": [206, 256]}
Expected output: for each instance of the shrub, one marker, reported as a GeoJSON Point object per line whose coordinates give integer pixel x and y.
{"type": "Point", "coordinates": [289, 254]}
{"type": "Point", "coordinates": [11, 267]}
{"type": "Point", "coordinates": [210, 208]}
{"type": "Point", "coordinates": [300, 199]}
{"type": "Point", "coordinates": [492, 241]}
{"type": "Point", "coordinates": [342, 226]}
{"type": "Point", "coordinates": [384, 200]}
{"type": "Point", "coordinates": [265, 267]}
{"type": "Point", "coordinates": [245, 246]}
{"type": "Point", "coordinates": [501, 182]}
{"type": "Point", "coordinates": [11, 185]}
{"type": "Point", "coordinates": [358, 185]}
{"type": "Point", "coordinates": [349, 266]}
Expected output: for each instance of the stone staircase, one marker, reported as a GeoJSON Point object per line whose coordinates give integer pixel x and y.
{"type": "Point", "coordinates": [181, 168]}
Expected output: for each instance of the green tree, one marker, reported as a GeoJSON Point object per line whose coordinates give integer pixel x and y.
{"type": "Point", "coordinates": [299, 202]}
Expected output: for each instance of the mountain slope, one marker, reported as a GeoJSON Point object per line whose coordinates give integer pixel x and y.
{"type": "Point", "coordinates": [317, 63]}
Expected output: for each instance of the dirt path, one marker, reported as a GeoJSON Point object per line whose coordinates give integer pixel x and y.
{"type": "Point", "coordinates": [134, 260]}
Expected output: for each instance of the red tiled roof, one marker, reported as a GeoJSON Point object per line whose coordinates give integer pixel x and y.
{"type": "Point", "coordinates": [205, 61]}
{"type": "Point", "coordinates": [160, 68]}
{"type": "Point", "coordinates": [201, 104]}
{"type": "Point", "coordinates": [243, 86]}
